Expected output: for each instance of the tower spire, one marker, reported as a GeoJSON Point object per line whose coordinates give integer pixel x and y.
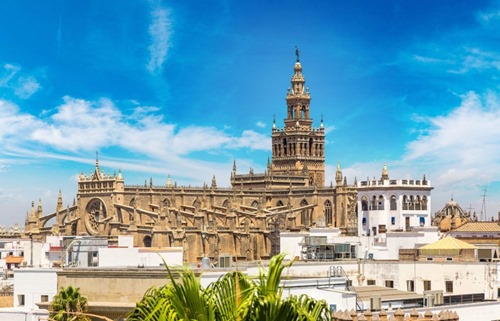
{"type": "Point", "coordinates": [59, 206]}
{"type": "Point", "coordinates": [338, 175]}
{"type": "Point", "coordinates": [298, 143]}
{"type": "Point", "coordinates": [385, 173]}
{"type": "Point", "coordinates": [97, 172]}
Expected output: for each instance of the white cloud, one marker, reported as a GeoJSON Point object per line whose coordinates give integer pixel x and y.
{"type": "Point", "coordinates": [329, 129]}
{"type": "Point", "coordinates": [476, 59]}
{"type": "Point", "coordinates": [23, 86]}
{"type": "Point", "coordinates": [160, 31]}
{"type": "Point", "coordinates": [260, 124]}
{"type": "Point", "coordinates": [253, 140]}
{"type": "Point", "coordinates": [469, 135]}
{"type": "Point", "coordinates": [13, 124]}
{"type": "Point", "coordinates": [459, 150]}
{"type": "Point", "coordinates": [81, 125]}
{"type": "Point", "coordinates": [8, 73]}
{"type": "Point", "coordinates": [26, 87]}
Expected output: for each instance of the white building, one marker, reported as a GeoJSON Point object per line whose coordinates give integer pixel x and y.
{"type": "Point", "coordinates": [393, 205]}
{"type": "Point", "coordinates": [384, 246]}
{"type": "Point", "coordinates": [31, 286]}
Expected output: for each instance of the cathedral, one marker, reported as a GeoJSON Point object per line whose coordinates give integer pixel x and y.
{"type": "Point", "coordinates": [243, 221]}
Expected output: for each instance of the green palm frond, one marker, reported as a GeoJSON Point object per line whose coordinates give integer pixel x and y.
{"type": "Point", "coordinates": [233, 297]}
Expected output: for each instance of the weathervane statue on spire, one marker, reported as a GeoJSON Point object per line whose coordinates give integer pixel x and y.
{"type": "Point", "coordinates": [297, 53]}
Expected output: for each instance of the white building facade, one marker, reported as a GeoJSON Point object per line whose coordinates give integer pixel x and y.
{"type": "Point", "coordinates": [393, 205]}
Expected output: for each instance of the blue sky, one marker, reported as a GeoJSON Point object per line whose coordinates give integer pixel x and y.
{"type": "Point", "coordinates": [185, 87]}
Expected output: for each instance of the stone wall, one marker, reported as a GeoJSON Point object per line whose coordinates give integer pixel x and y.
{"type": "Point", "coordinates": [399, 315]}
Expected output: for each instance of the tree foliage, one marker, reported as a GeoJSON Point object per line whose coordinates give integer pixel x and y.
{"type": "Point", "coordinates": [234, 296]}
{"type": "Point", "coordinates": [68, 304]}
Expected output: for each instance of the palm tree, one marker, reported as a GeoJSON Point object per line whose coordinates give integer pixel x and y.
{"type": "Point", "coordinates": [234, 296]}
{"type": "Point", "coordinates": [68, 305]}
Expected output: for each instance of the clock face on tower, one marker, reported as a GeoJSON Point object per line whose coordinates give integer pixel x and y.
{"type": "Point", "coordinates": [95, 214]}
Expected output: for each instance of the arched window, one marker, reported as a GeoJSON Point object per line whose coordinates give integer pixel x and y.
{"type": "Point", "coordinates": [310, 147]}
{"type": "Point", "coordinates": [284, 147]}
{"type": "Point", "coordinates": [418, 203]}
{"type": "Point", "coordinates": [381, 202]}
{"type": "Point", "coordinates": [394, 204]}
{"type": "Point", "coordinates": [364, 203]}
{"type": "Point", "coordinates": [405, 203]}
{"type": "Point", "coordinates": [373, 205]}
{"type": "Point", "coordinates": [255, 204]}
{"type": "Point", "coordinates": [328, 212]}
{"type": "Point", "coordinates": [424, 203]}
{"type": "Point", "coordinates": [304, 214]}
{"type": "Point", "coordinates": [279, 203]}
{"type": "Point", "coordinates": [197, 204]}
{"type": "Point", "coordinates": [412, 202]}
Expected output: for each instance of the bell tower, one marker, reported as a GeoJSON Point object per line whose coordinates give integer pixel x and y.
{"type": "Point", "coordinates": [298, 148]}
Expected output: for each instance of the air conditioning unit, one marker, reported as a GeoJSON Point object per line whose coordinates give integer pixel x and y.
{"type": "Point", "coordinates": [375, 303]}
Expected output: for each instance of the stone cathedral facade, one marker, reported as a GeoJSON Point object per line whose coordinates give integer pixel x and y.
{"type": "Point", "coordinates": [243, 221]}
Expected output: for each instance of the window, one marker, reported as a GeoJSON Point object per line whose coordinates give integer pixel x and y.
{"type": "Point", "coordinates": [449, 286]}
{"type": "Point", "coordinates": [93, 259]}
{"type": "Point", "coordinates": [44, 298]}
{"type": "Point", "coordinates": [364, 221]}
{"type": "Point", "coordinates": [410, 286]}
{"type": "Point", "coordinates": [328, 212]}
{"type": "Point", "coordinates": [427, 285]}
{"type": "Point", "coordinates": [20, 298]}
{"type": "Point", "coordinates": [370, 282]}
{"type": "Point", "coordinates": [389, 283]}
{"type": "Point", "coordinates": [364, 203]}
{"type": "Point", "coordinates": [304, 214]}
{"type": "Point", "coordinates": [422, 221]}
{"type": "Point", "coordinates": [393, 220]}
{"type": "Point", "coordinates": [394, 205]}
{"type": "Point", "coordinates": [380, 203]}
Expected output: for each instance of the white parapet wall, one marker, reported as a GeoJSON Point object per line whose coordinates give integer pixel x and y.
{"type": "Point", "coordinates": [143, 257]}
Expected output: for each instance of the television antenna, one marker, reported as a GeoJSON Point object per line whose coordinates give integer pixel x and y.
{"type": "Point", "coordinates": [483, 205]}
